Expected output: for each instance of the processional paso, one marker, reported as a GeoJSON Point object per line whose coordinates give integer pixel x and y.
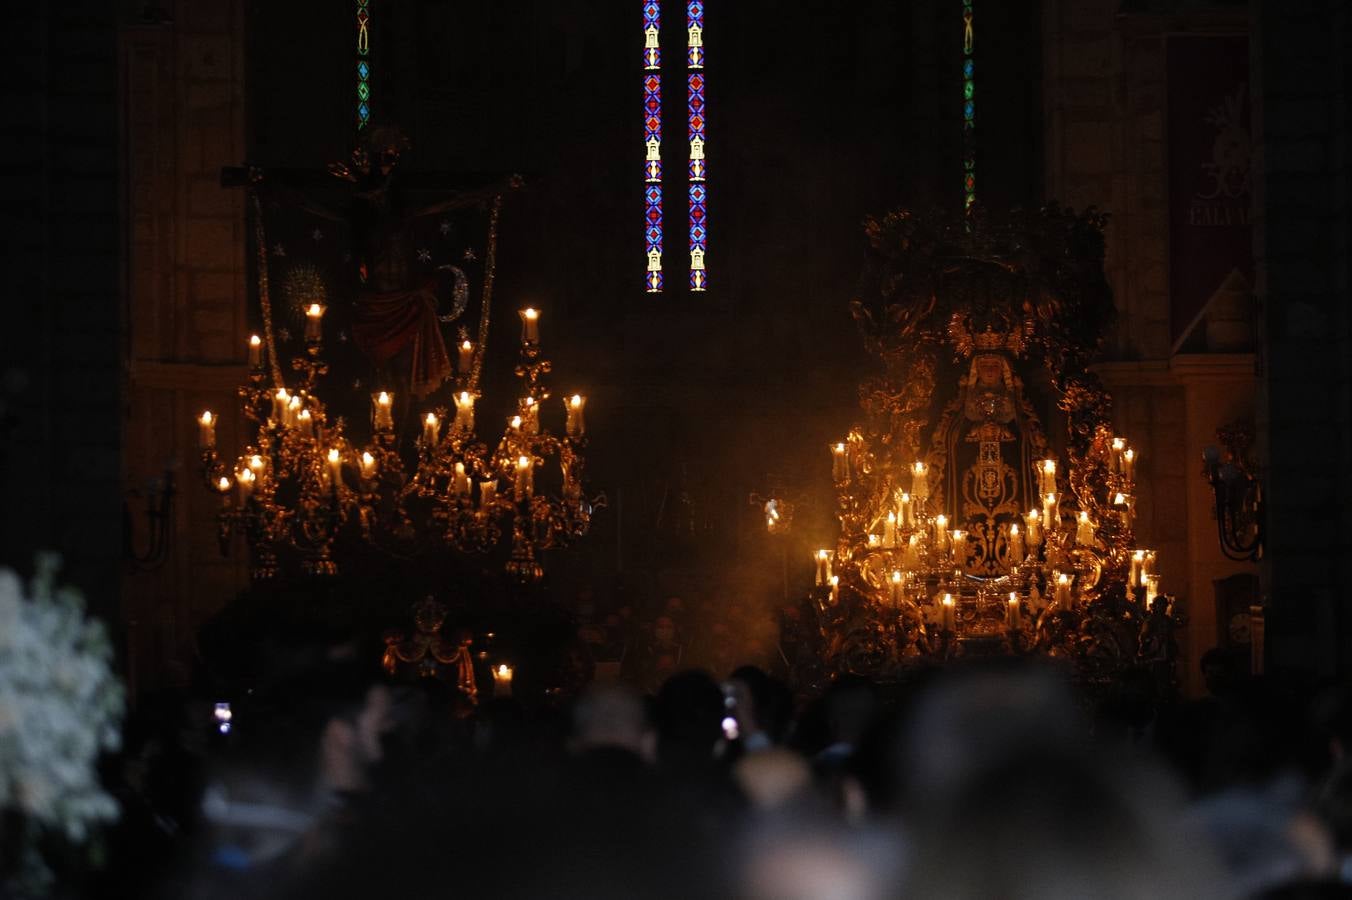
{"type": "Point", "coordinates": [964, 528]}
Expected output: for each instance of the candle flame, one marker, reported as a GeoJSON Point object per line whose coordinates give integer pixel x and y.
{"type": "Point", "coordinates": [207, 418]}
{"type": "Point", "coordinates": [464, 398]}
{"type": "Point", "coordinates": [1119, 444]}
{"type": "Point", "coordinates": [516, 421]}
{"type": "Point", "coordinates": [575, 401]}
{"type": "Point", "coordinates": [1013, 598]}
{"type": "Point", "coordinates": [431, 418]}
{"type": "Point", "coordinates": [523, 462]}
{"type": "Point", "coordinates": [304, 413]}
{"type": "Point", "coordinates": [1014, 528]}
{"type": "Point", "coordinates": [504, 670]}
{"type": "Point", "coordinates": [948, 599]}
{"type": "Point", "coordinates": [1049, 466]}
{"type": "Point", "coordinates": [334, 455]}
{"type": "Point", "coordinates": [531, 313]}
{"type": "Point", "coordinates": [918, 468]}
{"type": "Point", "coordinates": [256, 463]}
{"type": "Point", "coordinates": [255, 341]}
{"type": "Point", "coordinates": [223, 485]}
{"type": "Point", "coordinates": [466, 346]}
{"type": "Point", "coordinates": [384, 398]}
{"type": "Point", "coordinates": [245, 476]}
{"type": "Point", "coordinates": [315, 311]}
{"type": "Point", "coordinates": [896, 576]}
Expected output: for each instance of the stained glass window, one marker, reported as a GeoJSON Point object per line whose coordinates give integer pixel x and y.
{"type": "Point", "coordinates": [363, 63]}
{"type": "Point", "coordinates": [694, 21]}
{"type": "Point", "coordinates": [652, 141]}
{"type": "Point", "coordinates": [968, 110]}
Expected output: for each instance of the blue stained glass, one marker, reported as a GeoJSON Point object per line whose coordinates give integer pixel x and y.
{"type": "Point", "coordinates": [363, 70]}
{"type": "Point", "coordinates": [967, 68]}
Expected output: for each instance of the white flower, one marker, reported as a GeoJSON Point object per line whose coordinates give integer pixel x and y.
{"type": "Point", "coordinates": [60, 704]}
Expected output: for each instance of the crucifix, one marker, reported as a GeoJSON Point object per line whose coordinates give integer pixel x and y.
{"type": "Point", "coordinates": [397, 315]}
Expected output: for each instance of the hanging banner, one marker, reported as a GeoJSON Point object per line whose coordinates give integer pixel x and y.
{"type": "Point", "coordinates": [1210, 235]}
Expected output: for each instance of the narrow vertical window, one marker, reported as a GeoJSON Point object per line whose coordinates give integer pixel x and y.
{"type": "Point", "coordinates": [652, 141]}
{"type": "Point", "coordinates": [699, 235]}
{"type": "Point", "coordinates": [363, 64]}
{"type": "Point", "coordinates": [968, 110]}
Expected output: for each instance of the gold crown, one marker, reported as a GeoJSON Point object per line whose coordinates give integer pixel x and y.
{"type": "Point", "coordinates": [989, 340]}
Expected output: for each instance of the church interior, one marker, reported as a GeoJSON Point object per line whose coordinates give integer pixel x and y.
{"type": "Point", "coordinates": [817, 450]}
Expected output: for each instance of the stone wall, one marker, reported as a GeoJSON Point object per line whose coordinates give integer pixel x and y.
{"type": "Point", "coordinates": [60, 384]}
{"type": "Point", "coordinates": [1302, 63]}
{"type": "Point", "coordinates": [182, 89]}
{"type": "Point", "coordinates": [1106, 95]}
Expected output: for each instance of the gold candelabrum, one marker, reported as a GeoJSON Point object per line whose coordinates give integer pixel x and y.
{"type": "Point", "coordinates": [303, 482]}
{"type": "Point", "coordinates": [907, 556]}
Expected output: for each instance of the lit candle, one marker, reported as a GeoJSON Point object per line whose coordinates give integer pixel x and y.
{"type": "Point", "coordinates": [1048, 482]}
{"type": "Point", "coordinates": [431, 430]}
{"type": "Point", "coordinates": [304, 421]}
{"type": "Point", "coordinates": [206, 431]}
{"type": "Point", "coordinates": [514, 423]}
{"type": "Point", "coordinates": [464, 412]}
{"type": "Point", "coordinates": [1034, 528]}
{"type": "Point", "coordinates": [835, 588]}
{"type": "Point", "coordinates": [911, 558]}
{"type": "Point", "coordinates": [890, 531]}
{"type": "Point", "coordinates": [530, 325]}
{"type": "Point", "coordinates": [314, 323]}
{"type": "Point", "coordinates": [1134, 576]}
{"type": "Point", "coordinates": [1084, 531]}
{"type": "Point", "coordinates": [1129, 463]}
{"type": "Point", "coordinates": [488, 493]}
{"type": "Point", "coordinates": [875, 541]}
{"type": "Point", "coordinates": [1016, 551]}
{"type": "Point", "coordinates": [255, 352]}
{"type": "Point", "coordinates": [920, 482]}
{"type": "Point", "coordinates": [1148, 565]}
{"type": "Point", "coordinates": [950, 613]}
{"type": "Point", "coordinates": [466, 357]}
{"type": "Point", "coordinates": [840, 468]}
{"type": "Point", "coordinates": [382, 411]}
{"type": "Point", "coordinates": [1014, 616]}
{"type": "Point", "coordinates": [460, 484]}
{"type": "Point", "coordinates": [941, 533]}
{"type": "Point", "coordinates": [575, 405]}
{"type": "Point", "coordinates": [335, 460]}
{"type": "Point", "coordinates": [1152, 589]}
{"type": "Point", "coordinates": [1115, 458]}
{"type": "Point", "coordinates": [281, 402]}
{"type": "Point", "coordinates": [223, 488]}
{"type": "Point", "coordinates": [530, 415]}
{"type": "Point", "coordinates": [368, 465]}
{"type": "Point", "coordinates": [525, 477]}
{"type": "Point", "coordinates": [894, 588]}
{"type": "Point", "coordinates": [257, 464]}
{"type": "Point", "coordinates": [244, 480]}
{"type": "Point", "coordinates": [823, 561]}
{"type": "Point", "coordinates": [907, 513]}
{"type": "Point", "coordinates": [1049, 513]}
{"type": "Point", "coordinates": [502, 681]}
{"type": "Point", "coordinates": [1063, 589]}
{"type": "Point", "coordinates": [959, 547]}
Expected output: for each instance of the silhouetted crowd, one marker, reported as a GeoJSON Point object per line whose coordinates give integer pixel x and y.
{"type": "Point", "coordinates": [989, 779]}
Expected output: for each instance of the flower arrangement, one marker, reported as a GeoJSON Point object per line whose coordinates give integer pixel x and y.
{"type": "Point", "coordinates": [60, 707]}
